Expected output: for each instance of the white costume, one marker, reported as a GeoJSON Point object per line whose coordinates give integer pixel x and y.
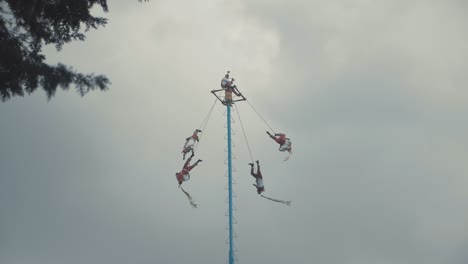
{"type": "Point", "coordinates": [225, 82]}
{"type": "Point", "coordinates": [189, 144]}
{"type": "Point", "coordinates": [286, 145]}
{"type": "Point", "coordinates": [259, 182]}
{"type": "Point", "coordinates": [186, 177]}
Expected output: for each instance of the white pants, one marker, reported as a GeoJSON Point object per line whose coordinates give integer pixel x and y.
{"type": "Point", "coordinates": [186, 177]}
{"type": "Point", "coordinates": [259, 182]}
{"type": "Point", "coordinates": [224, 83]}
{"type": "Point", "coordinates": [286, 145]}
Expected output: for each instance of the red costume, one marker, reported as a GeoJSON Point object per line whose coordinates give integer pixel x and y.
{"type": "Point", "coordinates": [284, 142]}
{"type": "Point", "coordinates": [195, 135]}
{"type": "Point", "coordinates": [184, 175]}
{"type": "Point", "coordinates": [281, 139]}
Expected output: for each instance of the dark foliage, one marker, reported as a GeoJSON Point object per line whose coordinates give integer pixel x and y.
{"type": "Point", "coordinates": [27, 25]}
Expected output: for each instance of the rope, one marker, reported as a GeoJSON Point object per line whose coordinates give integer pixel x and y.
{"type": "Point", "coordinates": [261, 117]}
{"type": "Point", "coordinates": [277, 200]}
{"type": "Point", "coordinates": [204, 123]}
{"type": "Point", "coordinates": [191, 201]}
{"type": "Point", "coordinates": [245, 137]}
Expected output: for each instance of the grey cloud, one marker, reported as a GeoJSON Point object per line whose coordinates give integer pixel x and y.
{"type": "Point", "coordinates": [377, 174]}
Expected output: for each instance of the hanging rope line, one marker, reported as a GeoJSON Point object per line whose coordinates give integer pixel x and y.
{"type": "Point", "coordinates": [261, 116]}
{"type": "Point", "coordinates": [277, 200]}
{"type": "Point", "coordinates": [204, 123]}
{"type": "Point", "coordinates": [191, 201]}
{"type": "Point", "coordinates": [245, 136]}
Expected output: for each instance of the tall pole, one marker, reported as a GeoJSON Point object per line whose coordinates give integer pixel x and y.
{"type": "Point", "coordinates": [231, 251]}
{"type": "Point", "coordinates": [227, 101]}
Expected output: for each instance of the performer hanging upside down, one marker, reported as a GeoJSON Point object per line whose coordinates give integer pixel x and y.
{"type": "Point", "coordinates": [259, 184]}
{"type": "Point", "coordinates": [184, 174]}
{"type": "Point", "coordinates": [284, 142]}
{"type": "Point", "coordinates": [186, 150]}
{"type": "Point", "coordinates": [190, 142]}
{"type": "Point", "coordinates": [258, 178]}
{"type": "Point", "coordinates": [194, 136]}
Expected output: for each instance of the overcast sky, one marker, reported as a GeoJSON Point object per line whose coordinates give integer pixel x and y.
{"type": "Point", "coordinates": [372, 94]}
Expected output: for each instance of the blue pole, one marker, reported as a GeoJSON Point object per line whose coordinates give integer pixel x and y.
{"type": "Point", "coordinates": [231, 251]}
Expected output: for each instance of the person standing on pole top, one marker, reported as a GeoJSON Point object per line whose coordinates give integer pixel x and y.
{"type": "Point", "coordinates": [226, 81]}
